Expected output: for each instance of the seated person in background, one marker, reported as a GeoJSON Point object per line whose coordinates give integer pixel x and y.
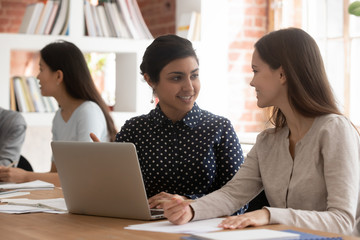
{"type": "Point", "coordinates": [65, 76]}
{"type": "Point", "coordinates": [182, 149]}
{"type": "Point", "coordinates": [12, 136]}
{"type": "Point", "coordinates": [308, 164]}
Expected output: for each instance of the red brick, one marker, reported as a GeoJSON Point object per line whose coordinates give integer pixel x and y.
{"type": "Point", "coordinates": [255, 11]}
{"type": "Point", "coordinates": [4, 21]}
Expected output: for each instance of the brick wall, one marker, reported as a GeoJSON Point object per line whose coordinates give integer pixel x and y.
{"type": "Point", "coordinates": [247, 22]}
{"type": "Point", "coordinates": [11, 12]}
{"type": "Point", "coordinates": [159, 15]}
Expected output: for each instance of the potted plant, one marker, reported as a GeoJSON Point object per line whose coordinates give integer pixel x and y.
{"type": "Point", "coordinates": [354, 8]}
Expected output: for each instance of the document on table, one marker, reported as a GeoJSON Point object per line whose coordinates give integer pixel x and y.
{"type": "Point", "coordinates": [33, 185]}
{"type": "Point", "coordinates": [24, 205]}
{"type": "Point", "coordinates": [13, 194]}
{"type": "Point", "coordinates": [252, 234]}
{"type": "Point", "coordinates": [201, 226]}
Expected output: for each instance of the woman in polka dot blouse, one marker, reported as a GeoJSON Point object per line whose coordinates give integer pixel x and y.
{"type": "Point", "coordinates": [182, 149]}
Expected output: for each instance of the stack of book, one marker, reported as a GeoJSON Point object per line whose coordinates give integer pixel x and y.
{"type": "Point", "coordinates": [25, 96]}
{"type": "Point", "coordinates": [50, 18]}
{"type": "Point", "coordinates": [118, 18]}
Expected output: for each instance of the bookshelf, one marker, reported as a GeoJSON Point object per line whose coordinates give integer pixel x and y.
{"type": "Point", "coordinates": [132, 95]}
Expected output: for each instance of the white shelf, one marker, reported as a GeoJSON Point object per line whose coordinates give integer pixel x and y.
{"type": "Point", "coordinates": [131, 94]}
{"type": "Point", "coordinates": [129, 89]}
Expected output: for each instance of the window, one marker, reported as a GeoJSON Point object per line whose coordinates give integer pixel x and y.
{"type": "Point", "coordinates": [338, 36]}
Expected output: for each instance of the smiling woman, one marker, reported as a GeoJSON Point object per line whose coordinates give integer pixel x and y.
{"type": "Point", "coordinates": [183, 151]}
{"type": "Point", "coordinates": [307, 164]}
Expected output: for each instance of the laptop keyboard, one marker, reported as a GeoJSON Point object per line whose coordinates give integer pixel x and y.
{"type": "Point", "coordinates": [155, 212]}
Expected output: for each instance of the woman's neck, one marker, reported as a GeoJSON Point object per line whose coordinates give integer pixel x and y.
{"type": "Point", "coordinates": [298, 126]}
{"type": "Point", "coordinates": [68, 106]}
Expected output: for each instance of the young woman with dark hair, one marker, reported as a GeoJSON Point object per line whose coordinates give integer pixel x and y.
{"type": "Point", "coordinates": [183, 150]}
{"type": "Point", "coordinates": [308, 164]}
{"type": "Point", "coordinates": [65, 76]}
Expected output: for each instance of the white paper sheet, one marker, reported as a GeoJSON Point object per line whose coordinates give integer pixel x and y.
{"type": "Point", "coordinates": [253, 234]}
{"type": "Point", "coordinates": [33, 185]}
{"type": "Point", "coordinates": [201, 226]}
{"type": "Point", "coordinates": [24, 205]}
{"type": "Point", "coordinates": [13, 194]}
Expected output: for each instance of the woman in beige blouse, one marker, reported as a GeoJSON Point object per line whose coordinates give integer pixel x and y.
{"type": "Point", "coordinates": [308, 164]}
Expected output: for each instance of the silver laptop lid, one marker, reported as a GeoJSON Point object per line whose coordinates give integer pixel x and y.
{"type": "Point", "coordinates": [102, 179]}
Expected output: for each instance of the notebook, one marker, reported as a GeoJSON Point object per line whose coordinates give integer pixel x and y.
{"type": "Point", "coordinates": [102, 179]}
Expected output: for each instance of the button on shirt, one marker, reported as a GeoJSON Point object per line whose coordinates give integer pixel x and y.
{"type": "Point", "coordinates": [191, 157]}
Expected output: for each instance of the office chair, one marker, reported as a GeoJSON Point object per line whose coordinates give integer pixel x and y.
{"type": "Point", "coordinates": [258, 202]}
{"type": "Point", "coordinates": [24, 164]}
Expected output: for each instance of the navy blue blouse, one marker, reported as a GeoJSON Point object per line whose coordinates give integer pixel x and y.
{"type": "Point", "coordinates": [192, 157]}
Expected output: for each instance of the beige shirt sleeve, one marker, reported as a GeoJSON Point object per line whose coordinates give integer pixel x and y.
{"type": "Point", "coordinates": [318, 189]}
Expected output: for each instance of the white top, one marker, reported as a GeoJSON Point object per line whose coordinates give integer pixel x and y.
{"type": "Point", "coordinates": [317, 190]}
{"type": "Point", "coordinates": [87, 118]}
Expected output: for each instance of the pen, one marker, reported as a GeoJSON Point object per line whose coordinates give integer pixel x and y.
{"type": "Point", "coordinates": [12, 164]}
{"type": "Point", "coordinates": [167, 200]}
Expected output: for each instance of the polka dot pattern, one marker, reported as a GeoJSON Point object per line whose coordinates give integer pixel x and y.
{"type": "Point", "coordinates": [191, 157]}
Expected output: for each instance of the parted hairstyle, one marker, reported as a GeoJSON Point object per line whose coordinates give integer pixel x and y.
{"type": "Point", "coordinates": [162, 51]}
{"type": "Point", "coordinates": [67, 57]}
{"type": "Point", "coordinates": [308, 88]}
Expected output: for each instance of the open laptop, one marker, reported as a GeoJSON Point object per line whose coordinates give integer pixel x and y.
{"type": "Point", "coordinates": [102, 179]}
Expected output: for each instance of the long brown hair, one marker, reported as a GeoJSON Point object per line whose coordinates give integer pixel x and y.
{"type": "Point", "coordinates": [309, 91]}
{"type": "Point", "coordinates": [65, 56]}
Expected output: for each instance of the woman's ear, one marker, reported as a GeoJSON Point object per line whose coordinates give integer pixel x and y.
{"type": "Point", "coordinates": [59, 77]}
{"type": "Point", "coordinates": [282, 76]}
{"type": "Point", "coordinates": [148, 80]}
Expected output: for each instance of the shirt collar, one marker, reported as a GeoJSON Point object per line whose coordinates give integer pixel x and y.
{"type": "Point", "coordinates": [191, 119]}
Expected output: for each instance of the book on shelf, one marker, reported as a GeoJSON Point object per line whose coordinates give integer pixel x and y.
{"type": "Point", "coordinates": [139, 20]}
{"type": "Point", "coordinates": [12, 96]}
{"type": "Point", "coordinates": [104, 22]}
{"type": "Point", "coordinates": [27, 96]}
{"type": "Point", "coordinates": [124, 20]}
{"type": "Point", "coordinates": [19, 95]}
{"type": "Point", "coordinates": [52, 17]}
{"type": "Point", "coordinates": [62, 18]}
{"type": "Point", "coordinates": [89, 20]}
{"type": "Point", "coordinates": [189, 26]}
{"type": "Point", "coordinates": [44, 17]}
{"type": "Point", "coordinates": [117, 23]}
{"type": "Point", "coordinates": [99, 31]}
{"type": "Point", "coordinates": [109, 15]}
{"type": "Point", "coordinates": [31, 18]}
{"type": "Point", "coordinates": [120, 22]}
{"type": "Point", "coordinates": [130, 23]}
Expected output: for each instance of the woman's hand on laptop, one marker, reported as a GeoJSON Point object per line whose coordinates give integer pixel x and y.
{"type": "Point", "coordinates": [178, 211]}
{"type": "Point", "coordinates": [94, 137]}
{"type": "Point", "coordinates": [157, 200]}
